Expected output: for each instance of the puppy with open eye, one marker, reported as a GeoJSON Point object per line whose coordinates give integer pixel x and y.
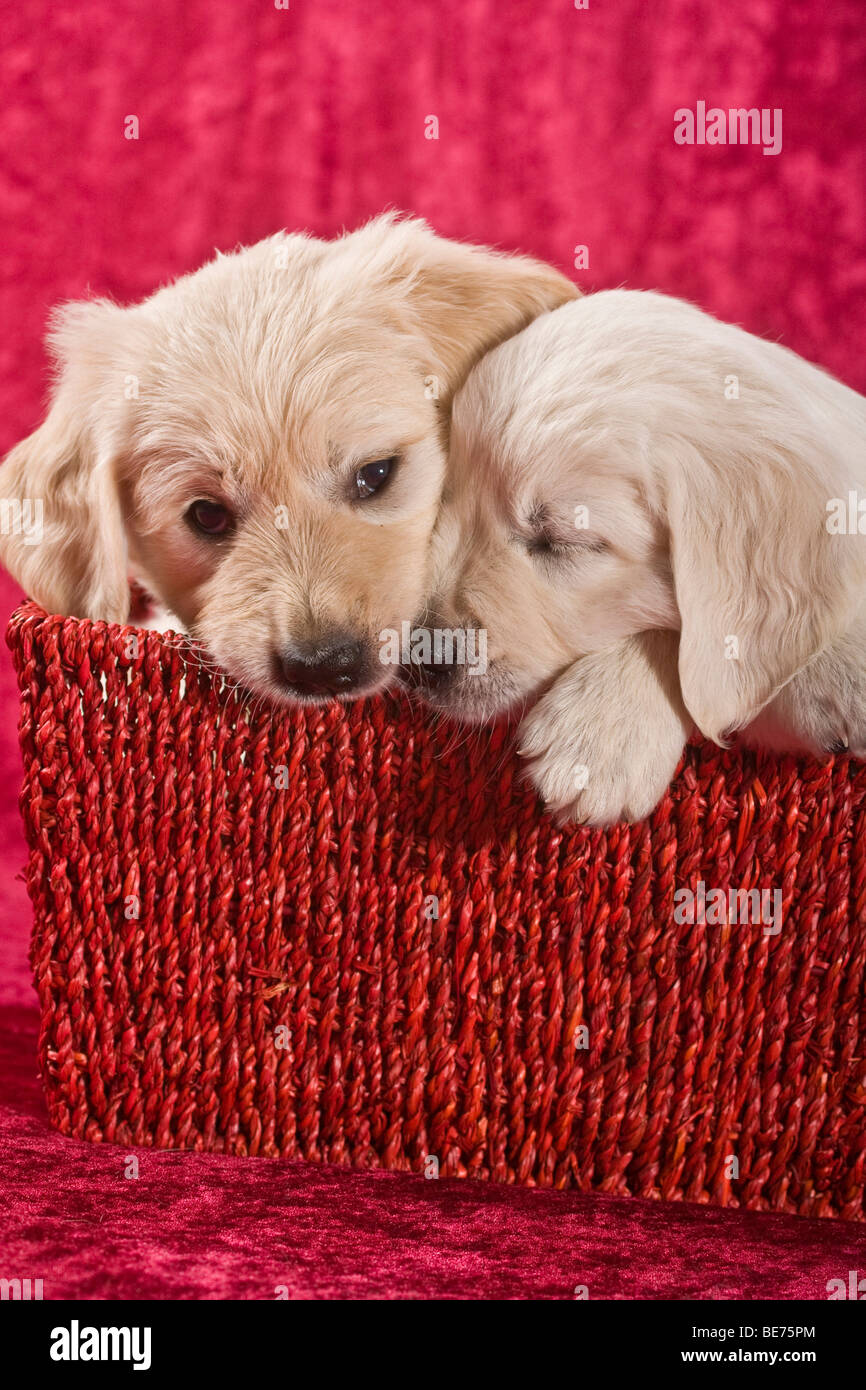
{"type": "Point", "coordinates": [263, 444]}
{"type": "Point", "coordinates": [647, 511]}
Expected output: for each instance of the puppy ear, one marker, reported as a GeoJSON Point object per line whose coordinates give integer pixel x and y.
{"type": "Point", "coordinates": [761, 584]}
{"type": "Point", "coordinates": [465, 299]}
{"type": "Point", "coordinates": [63, 537]}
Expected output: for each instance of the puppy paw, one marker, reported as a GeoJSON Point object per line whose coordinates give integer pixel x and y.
{"type": "Point", "coordinates": [599, 777]}
{"type": "Point", "coordinates": [603, 744]}
{"type": "Point", "coordinates": [822, 710]}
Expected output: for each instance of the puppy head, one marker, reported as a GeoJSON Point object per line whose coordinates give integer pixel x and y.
{"type": "Point", "coordinates": [545, 559]}
{"type": "Point", "coordinates": [263, 442]}
{"type": "Point", "coordinates": [601, 483]}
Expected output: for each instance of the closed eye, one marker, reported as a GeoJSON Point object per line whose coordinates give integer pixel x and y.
{"type": "Point", "coordinates": [547, 546]}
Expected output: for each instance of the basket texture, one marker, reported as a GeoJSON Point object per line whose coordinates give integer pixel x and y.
{"type": "Point", "coordinates": [351, 937]}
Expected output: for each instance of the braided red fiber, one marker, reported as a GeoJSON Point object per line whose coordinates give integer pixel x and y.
{"type": "Point", "coordinates": [287, 987]}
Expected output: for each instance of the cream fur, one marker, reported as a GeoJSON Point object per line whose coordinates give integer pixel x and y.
{"type": "Point", "coordinates": [705, 581]}
{"type": "Point", "coordinates": [262, 381]}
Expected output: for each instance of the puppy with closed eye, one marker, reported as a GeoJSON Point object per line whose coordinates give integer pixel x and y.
{"type": "Point", "coordinates": [648, 511]}
{"type": "Point", "coordinates": [262, 442]}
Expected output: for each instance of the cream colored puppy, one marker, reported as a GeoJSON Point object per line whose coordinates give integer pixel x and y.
{"type": "Point", "coordinates": [263, 443]}
{"type": "Point", "coordinates": [655, 517]}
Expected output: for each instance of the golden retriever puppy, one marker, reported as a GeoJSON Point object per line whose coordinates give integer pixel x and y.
{"type": "Point", "coordinates": [262, 442]}
{"type": "Point", "coordinates": [658, 521]}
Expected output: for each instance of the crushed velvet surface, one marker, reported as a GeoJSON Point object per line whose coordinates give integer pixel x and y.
{"type": "Point", "coordinates": [555, 130]}
{"type": "Point", "coordinates": [204, 1226]}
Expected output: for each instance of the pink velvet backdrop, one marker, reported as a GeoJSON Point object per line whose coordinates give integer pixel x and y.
{"type": "Point", "coordinates": [555, 130]}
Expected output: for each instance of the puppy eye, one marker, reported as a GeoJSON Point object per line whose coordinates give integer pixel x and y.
{"type": "Point", "coordinates": [547, 547]}
{"type": "Point", "coordinates": [373, 476]}
{"type": "Point", "coordinates": [209, 518]}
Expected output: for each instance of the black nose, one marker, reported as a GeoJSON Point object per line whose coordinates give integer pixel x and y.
{"type": "Point", "coordinates": [431, 675]}
{"type": "Point", "coordinates": [335, 665]}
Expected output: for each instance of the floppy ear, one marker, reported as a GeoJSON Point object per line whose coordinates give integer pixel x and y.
{"type": "Point", "coordinates": [465, 299]}
{"type": "Point", "coordinates": [761, 584]}
{"type": "Point", "coordinates": [62, 534]}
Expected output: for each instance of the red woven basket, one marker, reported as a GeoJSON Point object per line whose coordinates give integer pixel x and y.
{"type": "Point", "coordinates": [237, 948]}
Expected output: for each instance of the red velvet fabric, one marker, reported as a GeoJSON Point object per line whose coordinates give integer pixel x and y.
{"type": "Point", "coordinates": [555, 131]}
{"type": "Point", "coordinates": [202, 1226]}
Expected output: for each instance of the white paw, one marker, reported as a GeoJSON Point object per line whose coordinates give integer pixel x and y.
{"type": "Point", "coordinates": [822, 710]}
{"type": "Point", "coordinates": [600, 781]}
{"type": "Point", "coordinates": [603, 744]}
